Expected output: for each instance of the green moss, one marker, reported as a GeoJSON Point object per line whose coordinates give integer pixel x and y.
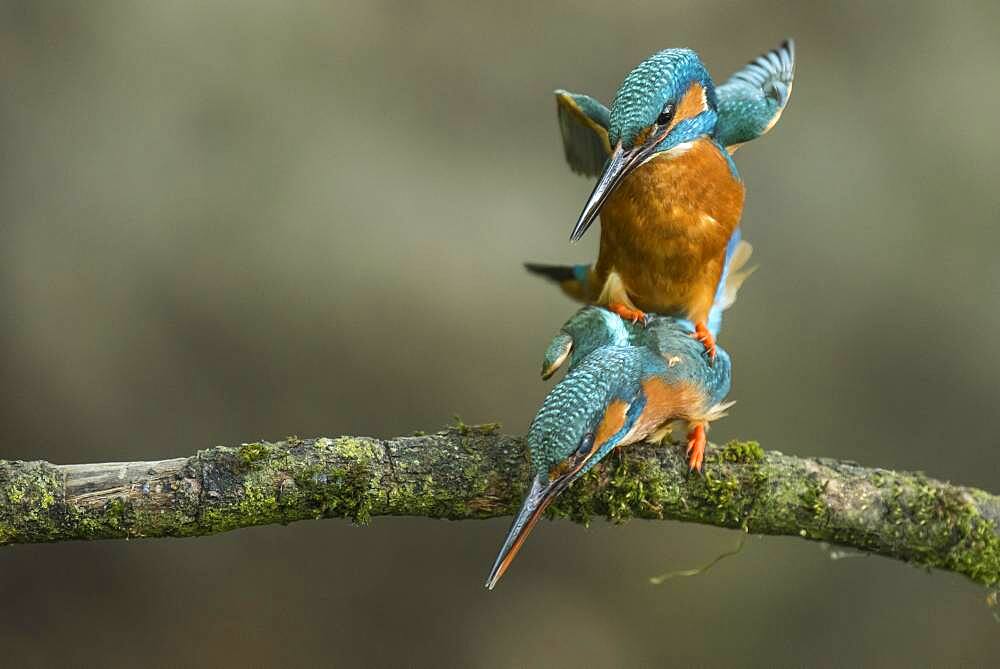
{"type": "Point", "coordinates": [114, 513]}
{"type": "Point", "coordinates": [27, 501]}
{"type": "Point", "coordinates": [722, 493]}
{"type": "Point", "coordinates": [488, 428]}
{"type": "Point", "coordinates": [934, 526]}
{"type": "Point", "coordinates": [15, 494]}
{"type": "Point", "coordinates": [812, 499]}
{"type": "Point", "coordinates": [459, 425]}
{"type": "Point", "coordinates": [482, 428]}
{"type": "Point", "coordinates": [972, 541]}
{"type": "Point", "coordinates": [361, 451]}
{"type": "Point", "coordinates": [812, 508]}
{"type": "Point", "coordinates": [213, 521]}
{"type": "Point", "coordinates": [259, 505]}
{"type": "Point", "coordinates": [636, 489]}
{"type": "Point", "coordinates": [341, 484]}
{"type": "Point", "coordinates": [254, 452]}
{"type": "Point", "coordinates": [726, 493]}
{"type": "Point", "coordinates": [742, 452]}
{"type": "Point", "coordinates": [618, 489]}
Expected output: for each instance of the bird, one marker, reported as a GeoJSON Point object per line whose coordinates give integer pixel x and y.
{"type": "Point", "coordinates": [668, 193]}
{"type": "Point", "coordinates": [626, 383]}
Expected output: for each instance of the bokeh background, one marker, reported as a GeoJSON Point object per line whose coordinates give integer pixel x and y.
{"type": "Point", "coordinates": [228, 221]}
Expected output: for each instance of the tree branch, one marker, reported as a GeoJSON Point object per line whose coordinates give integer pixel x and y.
{"type": "Point", "coordinates": [475, 472]}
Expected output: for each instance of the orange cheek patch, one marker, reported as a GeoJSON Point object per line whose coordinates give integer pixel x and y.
{"type": "Point", "coordinates": [692, 104]}
{"type": "Point", "coordinates": [613, 421]}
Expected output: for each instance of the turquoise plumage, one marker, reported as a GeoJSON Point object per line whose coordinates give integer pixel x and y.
{"type": "Point", "coordinates": [630, 381]}
{"type": "Point", "coordinates": [669, 195]}
{"type": "Point", "coordinates": [581, 121]}
{"type": "Point", "coordinates": [625, 383]}
{"type": "Point", "coordinates": [748, 105]}
{"type": "Point", "coordinates": [751, 102]}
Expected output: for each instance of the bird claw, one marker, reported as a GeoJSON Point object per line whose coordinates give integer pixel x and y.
{"type": "Point", "coordinates": [696, 448]}
{"type": "Point", "coordinates": [702, 334]}
{"type": "Point", "coordinates": [630, 314]}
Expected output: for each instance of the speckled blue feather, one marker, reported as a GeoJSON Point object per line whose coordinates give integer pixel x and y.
{"type": "Point", "coordinates": [661, 78]}
{"type": "Point", "coordinates": [751, 102]}
{"type": "Point", "coordinates": [605, 370]}
{"type": "Point", "coordinates": [746, 106]}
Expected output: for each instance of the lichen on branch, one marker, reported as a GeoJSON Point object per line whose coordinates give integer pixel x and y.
{"type": "Point", "coordinates": [470, 472]}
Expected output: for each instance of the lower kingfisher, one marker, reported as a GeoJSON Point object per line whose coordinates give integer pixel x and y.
{"type": "Point", "coordinates": [626, 383]}
{"type": "Point", "coordinates": [632, 387]}
{"type": "Point", "coordinates": [668, 193]}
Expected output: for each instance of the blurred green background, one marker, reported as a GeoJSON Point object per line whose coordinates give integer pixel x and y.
{"type": "Point", "coordinates": [237, 220]}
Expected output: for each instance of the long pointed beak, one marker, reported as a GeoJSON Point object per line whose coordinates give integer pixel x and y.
{"type": "Point", "coordinates": [539, 497]}
{"type": "Point", "coordinates": [619, 165]}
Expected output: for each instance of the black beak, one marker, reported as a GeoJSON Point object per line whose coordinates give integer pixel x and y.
{"type": "Point", "coordinates": [620, 164]}
{"type": "Point", "coordinates": [541, 495]}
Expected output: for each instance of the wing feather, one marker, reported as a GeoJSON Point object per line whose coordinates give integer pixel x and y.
{"type": "Point", "coordinates": [583, 122]}
{"type": "Point", "coordinates": [734, 273]}
{"type": "Point", "coordinates": [751, 102]}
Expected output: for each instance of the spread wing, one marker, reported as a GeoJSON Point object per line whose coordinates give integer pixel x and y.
{"type": "Point", "coordinates": [583, 122]}
{"type": "Point", "coordinates": [751, 102]}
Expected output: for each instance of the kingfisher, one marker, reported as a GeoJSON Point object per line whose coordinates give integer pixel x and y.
{"type": "Point", "coordinates": [668, 193]}
{"type": "Point", "coordinates": [626, 383]}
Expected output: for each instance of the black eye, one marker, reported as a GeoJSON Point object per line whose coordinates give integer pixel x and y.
{"type": "Point", "coordinates": [666, 115]}
{"type": "Point", "coordinates": [586, 444]}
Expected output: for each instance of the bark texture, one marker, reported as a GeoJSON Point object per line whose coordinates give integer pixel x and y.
{"type": "Point", "coordinates": [476, 472]}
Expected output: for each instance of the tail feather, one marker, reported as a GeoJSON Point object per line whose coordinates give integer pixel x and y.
{"type": "Point", "coordinates": [557, 273]}
{"type": "Point", "coordinates": [573, 279]}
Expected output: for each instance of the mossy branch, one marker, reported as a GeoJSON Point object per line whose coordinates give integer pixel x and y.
{"type": "Point", "coordinates": [476, 472]}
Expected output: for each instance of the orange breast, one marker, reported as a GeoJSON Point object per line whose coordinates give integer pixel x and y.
{"type": "Point", "coordinates": [664, 230]}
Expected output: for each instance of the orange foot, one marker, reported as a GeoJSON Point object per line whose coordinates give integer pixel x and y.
{"type": "Point", "coordinates": [702, 334]}
{"type": "Point", "coordinates": [696, 447]}
{"type": "Point", "coordinates": [627, 313]}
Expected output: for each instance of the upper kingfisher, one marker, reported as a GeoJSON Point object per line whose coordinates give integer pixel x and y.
{"type": "Point", "coordinates": [668, 193]}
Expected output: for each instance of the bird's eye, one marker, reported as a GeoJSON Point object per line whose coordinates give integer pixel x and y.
{"type": "Point", "coordinates": [586, 444]}
{"type": "Point", "coordinates": [666, 115]}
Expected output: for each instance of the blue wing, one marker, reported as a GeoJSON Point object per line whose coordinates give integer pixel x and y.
{"type": "Point", "coordinates": [734, 273]}
{"type": "Point", "coordinates": [583, 122]}
{"type": "Point", "coordinates": [751, 102]}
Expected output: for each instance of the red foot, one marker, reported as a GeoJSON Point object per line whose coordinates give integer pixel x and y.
{"type": "Point", "coordinates": [696, 447]}
{"type": "Point", "coordinates": [627, 313]}
{"type": "Point", "coordinates": [702, 334]}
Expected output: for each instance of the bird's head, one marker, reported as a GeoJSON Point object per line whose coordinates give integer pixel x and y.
{"type": "Point", "coordinates": [665, 103]}
{"type": "Point", "coordinates": [587, 330]}
{"type": "Point", "coordinates": [588, 413]}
